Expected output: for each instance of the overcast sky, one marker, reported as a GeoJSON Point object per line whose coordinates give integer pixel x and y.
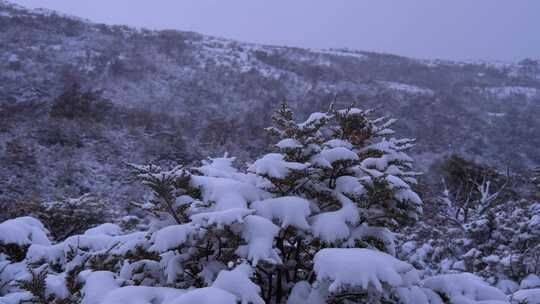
{"type": "Point", "coordinates": [506, 30]}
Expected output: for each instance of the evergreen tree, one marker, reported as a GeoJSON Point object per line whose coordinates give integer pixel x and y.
{"type": "Point", "coordinates": [356, 183]}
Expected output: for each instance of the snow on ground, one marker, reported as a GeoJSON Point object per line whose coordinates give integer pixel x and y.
{"type": "Point", "coordinates": [509, 91]}
{"type": "Point", "coordinates": [340, 52]}
{"type": "Point", "coordinates": [407, 88]}
{"type": "Point", "coordinates": [230, 53]}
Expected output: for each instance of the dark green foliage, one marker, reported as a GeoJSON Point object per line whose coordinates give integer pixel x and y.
{"type": "Point", "coordinates": [166, 187]}
{"type": "Point", "coordinates": [77, 103]}
{"type": "Point", "coordinates": [462, 176]}
{"type": "Point", "coordinates": [476, 188]}
{"type": "Point", "coordinates": [173, 43]}
{"type": "Point", "coordinates": [19, 154]}
{"type": "Point", "coordinates": [14, 252]}
{"type": "Point", "coordinates": [36, 285]}
{"type": "Point", "coordinates": [67, 217]}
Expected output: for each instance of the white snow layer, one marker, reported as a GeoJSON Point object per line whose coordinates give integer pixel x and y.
{"type": "Point", "coordinates": [289, 210]}
{"type": "Point", "coordinates": [328, 157]}
{"type": "Point", "coordinates": [530, 281]}
{"type": "Point", "coordinates": [106, 229]}
{"type": "Point", "coordinates": [170, 237]}
{"type": "Point", "coordinates": [259, 234]}
{"type": "Point", "coordinates": [465, 288]}
{"type": "Point", "coordinates": [289, 143]}
{"type": "Point", "coordinates": [359, 267]}
{"type": "Point", "coordinates": [333, 226]}
{"type": "Point", "coordinates": [274, 165]}
{"type": "Point", "coordinates": [23, 231]}
{"type": "Point", "coordinates": [527, 296]}
{"type": "Point", "coordinates": [226, 193]}
{"type": "Point", "coordinates": [230, 287]}
{"type": "Point", "coordinates": [237, 282]}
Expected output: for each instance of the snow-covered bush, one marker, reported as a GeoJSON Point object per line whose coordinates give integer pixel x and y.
{"type": "Point", "coordinates": [527, 296]}
{"type": "Point", "coordinates": [464, 288]}
{"type": "Point", "coordinates": [362, 275]}
{"type": "Point", "coordinates": [69, 216]}
{"type": "Point", "coordinates": [528, 291]}
{"type": "Point", "coordinates": [16, 235]}
{"type": "Point", "coordinates": [77, 103]}
{"type": "Point", "coordinates": [310, 222]}
{"type": "Point", "coordinates": [501, 245]}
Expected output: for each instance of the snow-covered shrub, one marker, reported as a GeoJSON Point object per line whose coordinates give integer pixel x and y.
{"type": "Point", "coordinates": [16, 235]}
{"type": "Point", "coordinates": [333, 180]}
{"type": "Point", "coordinates": [361, 276]}
{"type": "Point", "coordinates": [471, 189]}
{"type": "Point", "coordinates": [69, 216]}
{"type": "Point", "coordinates": [527, 296]}
{"type": "Point", "coordinates": [464, 288]}
{"type": "Point", "coordinates": [500, 245]}
{"type": "Point", "coordinates": [528, 291]}
{"type": "Point", "coordinates": [310, 222]}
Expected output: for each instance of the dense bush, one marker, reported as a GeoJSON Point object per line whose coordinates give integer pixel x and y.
{"type": "Point", "coordinates": [497, 238]}
{"type": "Point", "coordinates": [77, 103]}
{"type": "Point", "coordinates": [308, 223]}
{"type": "Point", "coordinates": [67, 217]}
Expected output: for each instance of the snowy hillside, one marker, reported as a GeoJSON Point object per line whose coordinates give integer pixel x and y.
{"type": "Point", "coordinates": [199, 95]}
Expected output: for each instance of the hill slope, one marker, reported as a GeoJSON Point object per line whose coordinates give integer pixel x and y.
{"type": "Point", "coordinates": [180, 95]}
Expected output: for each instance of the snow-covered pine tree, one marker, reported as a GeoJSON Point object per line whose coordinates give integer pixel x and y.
{"type": "Point", "coordinates": [385, 172]}
{"type": "Point", "coordinates": [166, 186]}
{"type": "Point", "coordinates": [288, 176]}
{"type": "Point", "coordinates": [207, 224]}
{"type": "Point", "coordinates": [287, 169]}
{"type": "Point", "coordinates": [355, 184]}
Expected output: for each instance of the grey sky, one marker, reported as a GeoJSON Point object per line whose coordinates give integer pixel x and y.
{"type": "Point", "coordinates": [507, 30]}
